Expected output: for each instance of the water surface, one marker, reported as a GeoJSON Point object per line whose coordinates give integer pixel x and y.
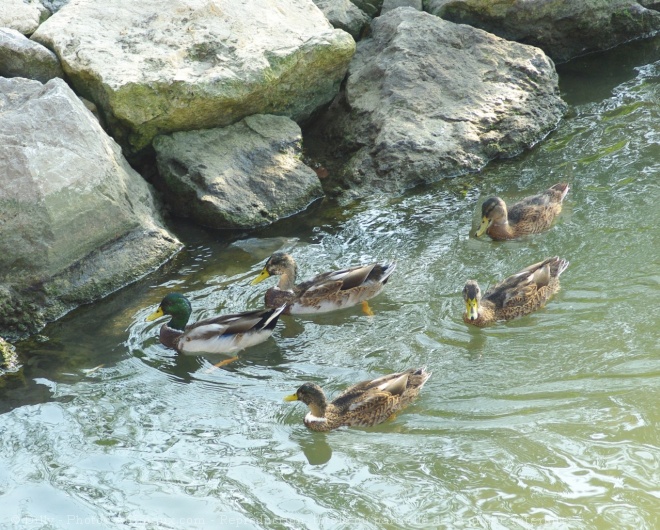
{"type": "Point", "coordinates": [548, 421]}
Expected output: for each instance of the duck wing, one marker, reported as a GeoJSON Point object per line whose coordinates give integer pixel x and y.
{"type": "Point", "coordinates": [532, 208]}
{"type": "Point", "coordinates": [232, 324]}
{"type": "Point", "coordinates": [371, 401]}
{"type": "Point", "coordinates": [372, 391]}
{"type": "Point", "coordinates": [328, 283]}
{"type": "Point", "coordinates": [520, 285]}
{"type": "Point", "coordinates": [346, 279]}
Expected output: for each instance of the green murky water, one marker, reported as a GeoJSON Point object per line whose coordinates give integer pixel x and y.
{"type": "Point", "coordinates": [549, 421]}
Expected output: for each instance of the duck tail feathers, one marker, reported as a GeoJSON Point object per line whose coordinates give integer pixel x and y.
{"type": "Point", "coordinates": [269, 320]}
{"type": "Point", "coordinates": [558, 265]}
{"type": "Point", "coordinates": [562, 188]}
{"type": "Point", "coordinates": [385, 270]}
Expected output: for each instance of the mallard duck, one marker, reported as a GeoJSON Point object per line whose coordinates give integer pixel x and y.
{"type": "Point", "coordinates": [529, 216]}
{"type": "Point", "coordinates": [364, 404]}
{"type": "Point", "coordinates": [221, 334]}
{"type": "Point", "coordinates": [324, 292]}
{"type": "Point", "coordinates": [518, 295]}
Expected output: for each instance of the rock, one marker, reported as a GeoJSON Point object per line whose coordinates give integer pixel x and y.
{"type": "Point", "coordinates": [562, 29]}
{"type": "Point", "coordinates": [76, 221]}
{"type": "Point", "coordinates": [22, 15]}
{"type": "Point", "coordinates": [9, 362]}
{"type": "Point", "coordinates": [370, 7]}
{"type": "Point", "coordinates": [21, 57]}
{"type": "Point", "coordinates": [343, 14]}
{"type": "Point", "coordinates": [389, 5]}
{"type": "Point", "coordinates": [54, 5]}
{"type": "Point", "coordinates": [160, 66]}
{"type": "Point", "coordinates": [242, 176]}
{"type": "Point", "coordinates": [427, 99]}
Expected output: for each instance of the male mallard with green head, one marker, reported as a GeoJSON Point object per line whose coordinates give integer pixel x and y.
{"type": "Point", "coordinates": [221, 334]}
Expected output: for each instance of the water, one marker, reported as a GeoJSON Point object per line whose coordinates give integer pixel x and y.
{"type": "Point", "coordinates": [550, 421]}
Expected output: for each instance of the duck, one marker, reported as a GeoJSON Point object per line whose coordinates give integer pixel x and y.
{"type": "Point", "coordinates": [516, 296]}
{"type": "Point", "coordinates": [328, 291]}
{"type": "Point", "coordinates": [364, 404]}
{"type": "Point", "coordinates": [531, 215]}
{"type": "Point", "coordinates": [220, 334]}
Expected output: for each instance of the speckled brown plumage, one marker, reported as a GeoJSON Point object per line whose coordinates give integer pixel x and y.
{"type": "Point", "coordinates": [362, 405]}
{"type": "Point", "coordinates": [516, 296]}
{"type": "Point", "coordinates": [531, 215]}
{"type": "Point", "coordinates": [324, 292]}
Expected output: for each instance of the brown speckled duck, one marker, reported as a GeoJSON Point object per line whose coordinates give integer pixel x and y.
{"type": "Point", "coordinates": [324, 292]}
{"type": "Point", "coordinates": [365, 404]}
{"type": "Point", "coordinates": [518, 295]}
{"type": "Point", "coordinates": [221, 334]}
{"type": "Point", "coordinates": [529, 216]}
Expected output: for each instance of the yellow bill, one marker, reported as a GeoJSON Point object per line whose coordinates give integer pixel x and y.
{"type": "Point", "coordinates": [262, 276]}
{"type": "Point", "coordinates": [485, 223]}
{"type": "Point", "coordinates": [292, 397]}
{"type": "Point", "coordinates": [156, 314]}
{"type": "Point", "coordinates": [472, 308]}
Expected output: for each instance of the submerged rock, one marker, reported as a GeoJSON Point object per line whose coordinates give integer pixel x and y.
{"type": "Point", "coordinates": [245, 175]}
{"type": "Point", "coordinates": [427, 99]}
{"type": "Point", "coordinates": [76, 221]}
{"type": "Point", "coordinates": [21, 57]}
{"type": "Point", "coordinates": [562, 29]}
{"type": "Point", "coordinates": [158, 66]}
{"type": "Point", "coordinates": [22, 15]}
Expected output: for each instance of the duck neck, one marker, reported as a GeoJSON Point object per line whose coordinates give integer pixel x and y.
{"type": "Point", "coordinates": [318, 409]}
{"type": "Point", "coordinates": [485, 316]}
{"type": "Point", "coordinates": [169, 337]}
{"type": "Point", "coordinates": [179, 321]}
{"type": "Point", "coordinates": [287, 280]}
{"type": "Point", "coordinates": [501, 230]}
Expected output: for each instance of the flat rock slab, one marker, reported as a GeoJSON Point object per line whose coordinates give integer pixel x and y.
{"type": "Point", "coordinates": [159, 66]}
{"type": "Point", "coordinates": [242, 176]}
{"type": "Point", "coordinates": [427, 99]}
{"type": "Point", "coordinates": [76, 221]}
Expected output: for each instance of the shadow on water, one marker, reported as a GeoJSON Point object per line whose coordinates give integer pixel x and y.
{"type": "Point", "coordinates": [316, 448]}
{"type": "Point", "coordinates": [593, 77]}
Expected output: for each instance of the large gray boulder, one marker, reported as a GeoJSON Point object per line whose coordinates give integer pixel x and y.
{"type": "Point", "coordinates": [427, 99]}
{"type": "Point", "coordinates": [159, 66]}
{"type": "Point", "coordinates": [76, 222]}
{"type": "Point", "coordinates": [242, 176]}
{"type": "Point", "coordinates": [22, 15]}
{"type": "Point", "coordinates": [562, 29]}
{"type": "Point", "coordinates": [21, 57]}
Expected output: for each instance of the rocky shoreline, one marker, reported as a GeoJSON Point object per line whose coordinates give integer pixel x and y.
{"type": "Point", "coordinates": [214, 94]}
